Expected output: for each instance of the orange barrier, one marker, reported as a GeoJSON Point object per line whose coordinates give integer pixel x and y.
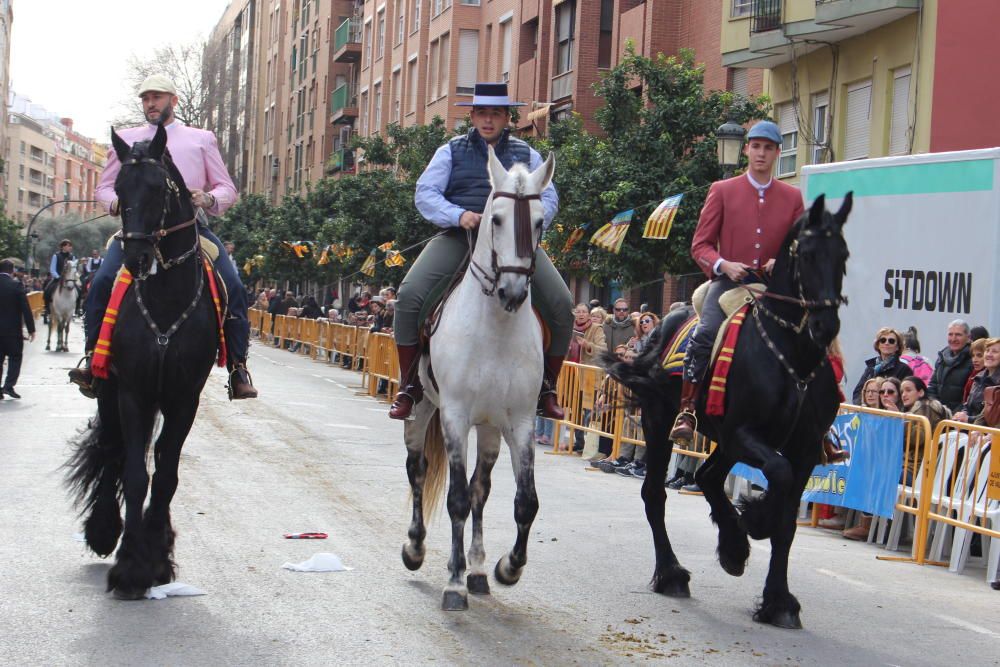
{"type": "Point", "coordinates": [36, 301]}
{"type": "Point", "coordinates": [382, 364]}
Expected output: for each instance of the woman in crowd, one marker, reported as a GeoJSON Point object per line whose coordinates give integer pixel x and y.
{"type": "Point", "coordinates": [921, 365]}
{"type": "Point", "coordinates": [262, 301]}
{"type": "Point", "coordinates": [913, 393]}
{"type": "Point", "coordinates": [644, 328]}
{"type": "Point", "coordinates": [588, 337]}
{"type": "Point", "coordinates": [310, 309]}
{"type": "Point", "coordinates": [889, 394]}
{"type": "Point", "coordinates": [977, 349]}
{"type": "Point", "coordinates": [972, 410]}
{"type": "Point", "coordinates": [888, 346]}
{"type": "Point", "coordinates": [869, 393]}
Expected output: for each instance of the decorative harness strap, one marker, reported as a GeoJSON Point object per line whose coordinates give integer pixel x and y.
{"type": "Point", "coordinates": [523, 245]}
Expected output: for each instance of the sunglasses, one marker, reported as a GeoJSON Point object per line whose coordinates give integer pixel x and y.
{"type": "Point", "coordinates": [890, 341]}
{"type": "Point", "coordinates": [646, 321]}
{"type": "Point", "coordinates": [622, 310]}
{"type": "Point", "coordinates": [888, 392]}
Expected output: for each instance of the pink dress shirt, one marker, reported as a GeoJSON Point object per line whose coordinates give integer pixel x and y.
{"type": "Point", "coordinates": [736, 225]}
{"type": "Point", "coordinates": [195, 153]}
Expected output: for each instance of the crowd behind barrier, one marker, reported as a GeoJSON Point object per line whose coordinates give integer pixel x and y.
{"type": "Point", "coordinates": [949, 476]}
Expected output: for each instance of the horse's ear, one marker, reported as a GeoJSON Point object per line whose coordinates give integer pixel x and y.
{"type": "Point", "coordinates": [159, 142]}
{"type": "Point", "coordinates": [817, 209]}
{"type": "Point", "coordinates": [496, 168]}
{"type": "Point", "coordinates": [546, 171]}
{"type": "Point", "coordinates": [121, 148]}
{"type": "Point", "coordinates": [845, 209]}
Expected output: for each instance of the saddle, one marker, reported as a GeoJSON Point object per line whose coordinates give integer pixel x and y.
{"type": "Point", "coordinates": [731, 301]}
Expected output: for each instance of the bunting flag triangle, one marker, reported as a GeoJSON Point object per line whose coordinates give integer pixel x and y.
{"type": "Point", "coordinates": [387, 246]}
{"type": "Point", "coordinates": [612, 235]}
{"type": "Point", "coordinates": [661, 220]}
{"type": "Point", "coordinates": [573, 237]}
{"type": "Point", "coordinates": [301, 249]}
{"type": "Point", "coordinates": [324, 257]}
{"type": "Point", "coordinates": [394, 258]}
{"type": "Point", "coordinates": [248, 267]}
{"type": "Point", "coordinates": [368, 268]}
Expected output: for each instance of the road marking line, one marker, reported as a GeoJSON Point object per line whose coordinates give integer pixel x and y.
{"type": "Point", "coordinates": [354, 426]}
{"type": "Point", "coordinates": [846, 580]}
{"type": "Point", "coordinates": [968, 626]}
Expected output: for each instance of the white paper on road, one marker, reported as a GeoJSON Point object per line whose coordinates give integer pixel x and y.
{"type": "Point", "coordinates": [321, 562]}
{"type": "Point", "coordinates": [173, 589]}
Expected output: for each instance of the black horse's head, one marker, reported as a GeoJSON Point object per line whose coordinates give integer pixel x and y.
{"type": "Point", "coordinates": [817, 256]}
{"type": "Point", "coordinates": [152, 197]}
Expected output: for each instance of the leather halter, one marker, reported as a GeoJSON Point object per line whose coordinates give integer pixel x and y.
{"type": "Point", "coordinates": [172, 191]}
{"type": "Point", "coordinates": [523, 243]}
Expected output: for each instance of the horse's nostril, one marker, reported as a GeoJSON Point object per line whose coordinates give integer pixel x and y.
{"type": "Point", "coordinates": [502, 294]}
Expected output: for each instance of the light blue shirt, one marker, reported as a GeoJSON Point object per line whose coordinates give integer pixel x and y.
{"type": "Point", "coordinates": [431, 186]}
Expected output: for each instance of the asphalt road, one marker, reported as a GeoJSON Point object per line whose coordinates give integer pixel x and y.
{"type": "Point", "coordinates": [311, 455]}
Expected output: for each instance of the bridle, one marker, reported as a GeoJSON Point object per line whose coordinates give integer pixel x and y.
{"type": "Point", "coordinates": [523, 243]}
{"type": "Point", "coordinates": [172, 192]}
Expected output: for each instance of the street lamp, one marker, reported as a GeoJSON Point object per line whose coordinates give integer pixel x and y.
{"type": "Point", "coordinates": [31, 238]}
{"type": "Point", "coordinates": [729, 141]}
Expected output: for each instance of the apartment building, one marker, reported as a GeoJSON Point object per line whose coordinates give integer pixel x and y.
{"type": "Point", "coordinates": [31, 167]}
{"type": "Point", "coordinates": [6, 21]}
{"type": "Point", "coordinates": [77, 170]}
{"type": "Point", "coordinates": [412, 60]}
{"type": "Point", "coordinates": [852, 80]}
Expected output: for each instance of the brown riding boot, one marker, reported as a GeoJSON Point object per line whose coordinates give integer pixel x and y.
{"type": "Point", "coordinates": [686, 422]}
{"type": "Point", "coordinates": [240, 385]}
{"type": "Point", "coordinates": [548, 403]}
{"type": "Point", "coordinates": [832, 453]}
{"type": "Point", "coordinates": [410, 389]}
{"type": "Point", "coordinates": [82, 377]}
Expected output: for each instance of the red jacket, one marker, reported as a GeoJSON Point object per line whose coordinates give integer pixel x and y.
{"type": "Point", "coordinates": [734, 225]}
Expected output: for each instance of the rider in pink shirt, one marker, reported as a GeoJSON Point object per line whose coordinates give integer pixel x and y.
{"type": "Point", "coordinates": [195, 153]}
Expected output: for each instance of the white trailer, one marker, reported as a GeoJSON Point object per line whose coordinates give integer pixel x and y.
{"type": "Point", "coordinates": [924, 237]}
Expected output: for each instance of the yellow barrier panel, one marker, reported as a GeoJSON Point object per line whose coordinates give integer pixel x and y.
{"type": "Point", "coordinates": [382, 364]}
{"type": "Point", "coordinates": [963, 486]}
{"type": "Point", "coordinates": [36, 301]}
{"type": "Point", "coordinates": [255, 315]}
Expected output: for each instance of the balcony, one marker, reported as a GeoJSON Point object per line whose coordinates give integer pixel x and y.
{"type": "Point", "coordinates": [344, 104]}
{"type": "Point", "coordinates": [341, 161]}
{"type": "Point", "coordinates": [562, 86]}
{"type": "Point", "coordinates": [809, 24]}
{"type": "Point", "coordinates": [347, 42]}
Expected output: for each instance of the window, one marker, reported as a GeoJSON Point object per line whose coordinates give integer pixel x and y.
{"type": "Point", "coordinates": [741, 8]}
{"type": "Point", "coordinates": [469, 2]}
{"type": "Point", "coordinates": [380, 37]}
{"type": "Point", "coordinates": [416, 15]}
{"type": "Point", "coordinates": [788, 125]}
{"type": "Point", "coordinates": [505, 45]}
{"type": "Point", "coordinates": [738, 81]}
{"type": "Point", "coordinates": [820, 119]}
{"type": "Point", "coordinates": [468, 58]}
{"type": "Point", "coordinates": [400, 22]}
{"type": "Point", "coordinates": [528, 44]}
{"type": "Point", "coordinates": [411, 83]}
{"type": "Point", "coordinates": [377, 109]}
{"type": "Point", "coordinates": [565, 27]}
{"type": "Point", "coordinates": [899, 121]}
{"type": "Point", "coordinates": [432, 79]}
{"type": "Point", "coordinates": [444, 65]}
{"type": "Point", "coordinates": [396, 96]}
{"type": "Point", "coordinates": [604, 44]}
{"type": "Point", "coordinates": [368, 44]}
{"type": "Point", "coordinates": [857, 125]}
{"type": "Point", "coordinates": [364, 114]}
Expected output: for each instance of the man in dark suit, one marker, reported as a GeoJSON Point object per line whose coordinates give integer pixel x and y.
{"type": "Point", "coordinates": [13, 310]}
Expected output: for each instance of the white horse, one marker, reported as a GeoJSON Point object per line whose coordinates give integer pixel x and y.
{"type": "Point", "coordinates": [63, 306]}
{"type": "Point", "coordinates": [486, 356]}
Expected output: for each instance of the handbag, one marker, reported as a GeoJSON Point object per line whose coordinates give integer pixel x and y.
{"type": "Point", "coordinates": [991, 406]}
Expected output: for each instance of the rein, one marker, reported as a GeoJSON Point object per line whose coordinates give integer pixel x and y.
{"type": "Point", "coordinates": [524, 245]}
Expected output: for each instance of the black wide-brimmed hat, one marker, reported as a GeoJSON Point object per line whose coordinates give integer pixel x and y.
{"type": "Point", "coordinates": [490, 95]}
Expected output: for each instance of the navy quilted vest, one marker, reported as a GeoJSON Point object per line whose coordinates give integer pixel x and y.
{"type": "Point", "coordinates": [469, 185]}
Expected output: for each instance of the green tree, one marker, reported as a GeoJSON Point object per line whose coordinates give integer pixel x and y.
{"type": "Point", "coordinates": [659, 125]}
{"type": "Point", "coordinates": [11, 236]}
{"type": "Point", "coordinates": [245, 224]}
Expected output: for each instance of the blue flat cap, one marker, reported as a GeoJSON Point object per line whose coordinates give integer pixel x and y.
{"type": "Point", "coordinates": [765, 129]}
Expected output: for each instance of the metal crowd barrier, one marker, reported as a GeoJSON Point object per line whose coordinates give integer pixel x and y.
{"type": "Point", "coordinates": [36, 301]}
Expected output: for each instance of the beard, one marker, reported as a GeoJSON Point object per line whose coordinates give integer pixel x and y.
{"type": "Point", "coordinates": [165, 114]}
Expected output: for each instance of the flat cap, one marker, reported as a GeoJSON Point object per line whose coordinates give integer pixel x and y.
{"type": "Point", "coordinates": [157, 83]}
{"type": "Point", "coordinates": [765, 129]}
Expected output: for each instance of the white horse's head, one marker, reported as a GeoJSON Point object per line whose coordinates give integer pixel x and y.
{"type": "Point", "coordinates": [70, 273]}
{"type": "Point", "coordinates": [513, 222]}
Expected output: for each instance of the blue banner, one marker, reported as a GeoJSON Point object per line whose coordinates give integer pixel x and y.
{"type": "Point", "coordinates": [868, 480]}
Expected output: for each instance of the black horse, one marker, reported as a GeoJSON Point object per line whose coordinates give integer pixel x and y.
{"type": "Point", "coordinates": [781, 398]}
{"type": "Point", "coordinates": [163, 348]}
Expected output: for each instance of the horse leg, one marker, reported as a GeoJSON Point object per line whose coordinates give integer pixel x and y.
{"type": "Point", "coordinates": [456, 434]}
{"type": "Point", "coordinates": [48, 339]}
{"type": "Point", "coordinates": [760, 517]}
{"type": "Point", "coordinates": [669, 578]}
{"type": "Point", "coordinates": [733, 548]}
{"type": "Point", "coordinates": [133, 573]}
{"type": "Point", "coordinates": [522, 457]}
{"type": "Point", "coordinates": [778, 606]}
{"type": "Point", "coordinates": [415, 434]}
{"type": "Point", "coordinates": [159, 533]}
{"type": "Point", "coordinates": [488, 448]}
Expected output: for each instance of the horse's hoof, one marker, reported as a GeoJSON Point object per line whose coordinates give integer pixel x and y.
{"type": "Point", "coordinates": [412, 562]}
{"type": "Point", "coordinates": [478, 584]}
{"type": "Point", "coordinates": [454, 601]}
{"type": "Point", "coordinates": [505, 574]}
{"type": "Point", "coordinates": [124, 594]}
{"type": "Point", "coordinates": [671, 587]}
{"type": "Point", "coordinates": [782, 619]}
{"type": "Point", "coordinates": [734, 568]}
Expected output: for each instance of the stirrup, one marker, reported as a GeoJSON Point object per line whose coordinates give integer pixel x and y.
{"type": "Point", "coordinates": [678, 424]}
{"type": "Point", "coordinates": [229, 385]}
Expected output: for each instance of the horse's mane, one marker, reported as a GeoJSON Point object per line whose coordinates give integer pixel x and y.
{"type": "Point", "coordinates": [519, 178]}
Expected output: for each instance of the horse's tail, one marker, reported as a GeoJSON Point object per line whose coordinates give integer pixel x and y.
{"type": "Point", "coordinates": [437, 463]}
{"type": "Point", "coordinates": [645, 377]}
{"type": "Point", "coordinates": [94, 474]}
